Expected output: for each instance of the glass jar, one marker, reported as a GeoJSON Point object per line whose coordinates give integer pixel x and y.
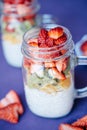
{"type": "Point", "coordinates": [48, 75]}
{"type": "Point", "coordinates": [16, 19]}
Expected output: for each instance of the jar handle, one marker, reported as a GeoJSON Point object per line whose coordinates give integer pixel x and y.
{"type": "Point", "coordinates": [80, 93]}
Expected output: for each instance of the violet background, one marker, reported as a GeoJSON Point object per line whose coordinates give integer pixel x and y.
{"type": "Point", "coordinates": [73, 15]}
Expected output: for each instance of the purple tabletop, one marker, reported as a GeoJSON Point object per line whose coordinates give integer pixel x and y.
{"type": "Point", "coordinates": [73, 15]}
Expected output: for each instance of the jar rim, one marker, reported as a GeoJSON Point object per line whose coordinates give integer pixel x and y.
{"type": "Point", "coordinates": [27, 36]}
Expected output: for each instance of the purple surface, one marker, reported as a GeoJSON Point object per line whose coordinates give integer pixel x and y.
{"type": "Point", "coordinates": [73, 15]}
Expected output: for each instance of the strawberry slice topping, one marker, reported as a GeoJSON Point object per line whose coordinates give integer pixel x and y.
{"type": "Point", "coordinates": [49, 42]}
{"type": "Point", "coordinates": [17, 1]}
{"type": "Point", "coordinates": [33, 42]}
{"type": "Point", "coordinates": [60, 40]}
{"type": "Point", "coordinates": [42, 38]}
{"type": "Point", "coordinates": [55, 33]}
{"type": "Point", "coordinates": [68, 127]}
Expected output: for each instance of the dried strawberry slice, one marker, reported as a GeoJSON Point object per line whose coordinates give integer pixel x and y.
{"type": "Point", "coordinates": [26, 62]}
{"type": "Point", "coordinates": [68, 127]}
{"type": "Point", "coordinates": [82, 122]}
{"type": "Point", "coordinates": [61, 39]}
{"type": "Point", "coordinates": [10, 98]}
{"type": "Point", "coordinates": [17, 1]}
{"type": "Point", "coordinates": [42, 38]}
{"type": "Point", "coordinates": [49, 42]}
{"type": "Point", "coordinates": [55, 33]}
{"type": "Point", "coordinates": [10, 113]}
{"type": "Point", "coordinates": [33, 42]}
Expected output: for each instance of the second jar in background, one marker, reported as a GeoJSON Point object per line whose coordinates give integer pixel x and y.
{"type": "Point", "coordinates": [16, 19]}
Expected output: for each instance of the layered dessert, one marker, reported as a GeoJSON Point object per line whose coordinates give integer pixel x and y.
{"type": "Point", "coordinates": [48, 80]}
{"type": "Point", "coordinates": [16, 20]}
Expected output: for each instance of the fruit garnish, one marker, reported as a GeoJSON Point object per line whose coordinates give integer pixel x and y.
{"type": "Point", "coordinates": [49, 64]}
{"type": "Point", "coordinates": [26, 62]}
{"type": "Point", "coordinates": [61, 65]}
{"type": "Point", "coordinates": [10, 29]}
{"type": "Point", "coordinates": [61, 39]}
{"type": "Point", "coordinates": [10, 113]}
{"type": "Point", "coordinates": [11, 105]}
{"type": "Point", "coordinates": [82, 122]}
{"type": "Point", "coordinates": [33, 42]}
{"type": "Point", "coordinates": [42, 38]}
{"type": "Point", "coordinates": [49, 42]}
{"type": "Point", "coordinates": [84, 48]}
{"type": "Point", "coordinates": [55, 33]}
{"type": "Point", "coordinates": [58, 74]}
{"type": "Point", "coordinates": [17, 1]}
{"type": "Point", "coordinates": [68, 127]}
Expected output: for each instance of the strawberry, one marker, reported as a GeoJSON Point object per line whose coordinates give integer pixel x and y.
{"type": "Point", "coordinates": [49, 42]}
{"type": "Point", "coordinates": [82, 122]}
{"type": "Point", "coordinates": [17, 1]}
{"type": "Point", "coordinates": [55, 33]}
{"type": "Point", "coordinates": [14, 98]}
{"type": "Point", "coordinates": [84, 48]}
{"type": "Point", "coordinates": [42, 38]}
{"type": "Point", "coordinates": [32, 40]}
{"type": "Point", "coordinates": [26, 62]}
{"type": "Point", "coordinates": [34, 44]}
{"type": "Point", "coordinates": [9, 29]}
{"type": "Point", "coordinates": [11, 98]}
{"type": "Point", "coordinates": [61, 39]}
{"type": "Point", "coordinates": [63, 51]}
{"type": "Point", "coordinates": [58, 74]}
{"type": "Point", "coordinates": [4, 102]}
{"type": "Point", "coordinates": [68, 127]}
{"type": "Point", "coordinates": [10, 113]}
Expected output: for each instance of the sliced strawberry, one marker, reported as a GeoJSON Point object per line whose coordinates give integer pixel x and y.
{"type": "Point", "coordinates": [84, 48]}
{"type": "Point", "coordinates": [68, 127]}
{"type": "Point", "coordinates": [58, 74]}
{"type": "Point", "coordinates": [4, 102]}
{"type": "Point", "coordinates": [49, 64]}
{"type": "Point", "coordinates": [49, 42]}
{"type": "Point", "coordinates": [9, 29]}
{"type": "Point", "coordinates": [11, 98]}
{"type": "Point", "coordinates": [55, 33]}
{"type": "Point", "coordinates": [17, 1]}
{"type": "Point", "coordinates": [42, 38]}
{"type": "Point", "coordinates": [33, 42]}
{"type": "Point", "coordinates": [63, 51]}
{"type": "Point", "coordinates": [10, 113]}
{"type": "Point", "coordinates": [61, 39]}
{"type": "Point", "coordinates": [82, 122]}
{"type": "Point", "coordinates": [26, 63]}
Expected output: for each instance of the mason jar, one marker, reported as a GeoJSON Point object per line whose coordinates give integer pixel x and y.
{"type": "Point", "coordinates": [48, 75]}
{"type": "Point", "coordinates": [16, 19]}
